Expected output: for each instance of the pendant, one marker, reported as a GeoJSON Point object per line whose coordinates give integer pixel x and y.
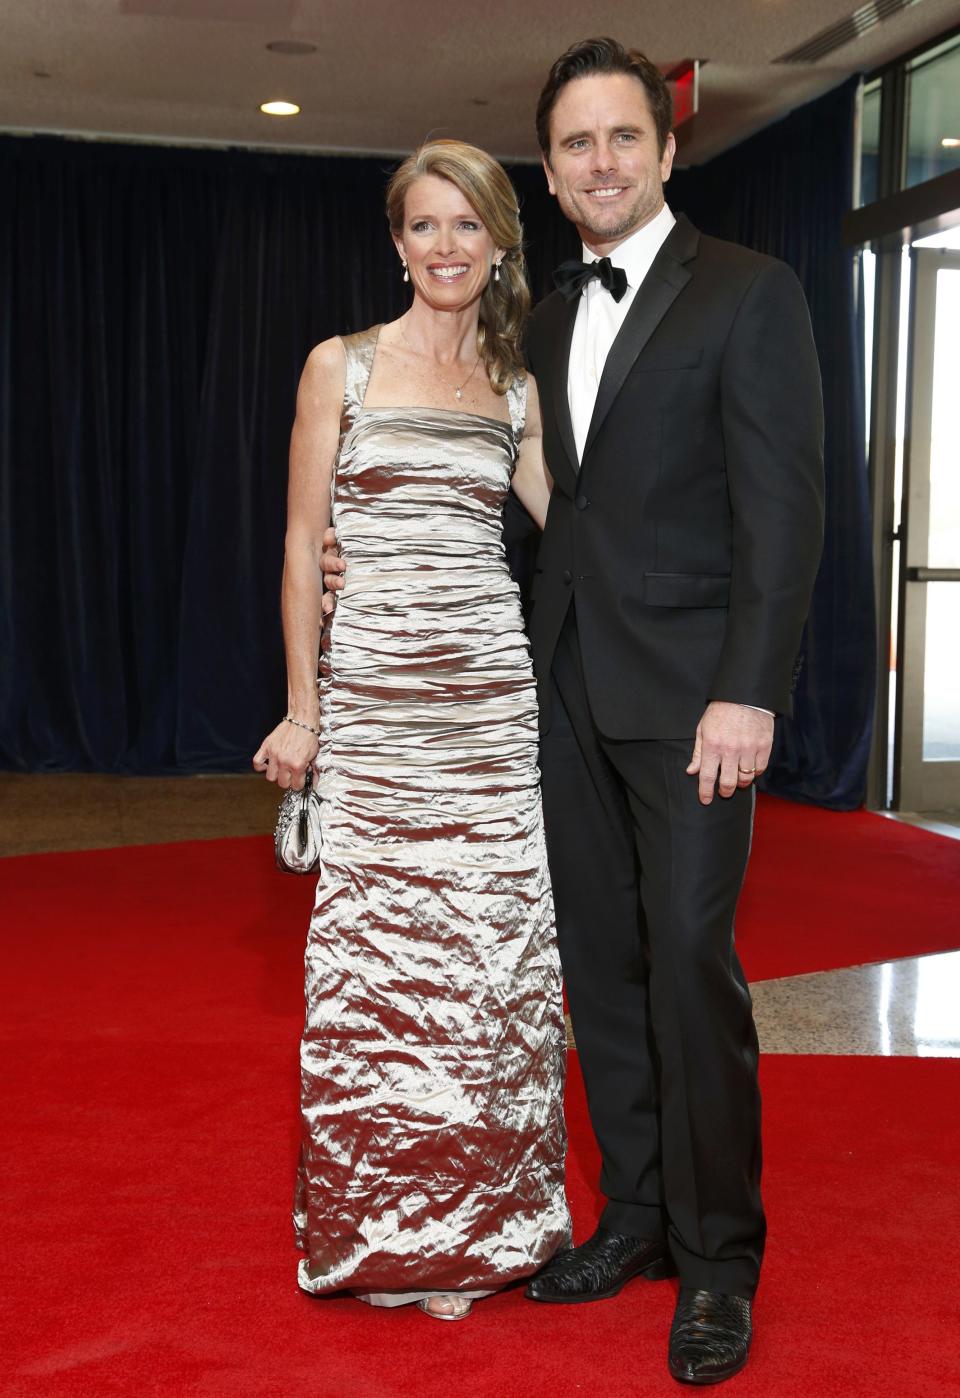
{"type": "Point", "coordinates": [459, 394]}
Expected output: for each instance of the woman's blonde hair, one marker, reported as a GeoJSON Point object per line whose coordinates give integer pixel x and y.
{"type": "Point", "coordinates": [485, 185]}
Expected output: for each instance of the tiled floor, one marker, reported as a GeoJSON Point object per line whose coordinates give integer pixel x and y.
{"type": "Point", "coordinates": [896, 1007]}
{"type": "Point", "coordinates": [907, 1007]}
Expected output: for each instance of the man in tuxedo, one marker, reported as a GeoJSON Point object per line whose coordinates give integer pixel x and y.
{"type": "Point", "coordinates": [683, 430]}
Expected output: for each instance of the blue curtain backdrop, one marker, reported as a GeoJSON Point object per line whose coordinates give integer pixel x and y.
{"type": "Point", "coordinates": [156, 307]}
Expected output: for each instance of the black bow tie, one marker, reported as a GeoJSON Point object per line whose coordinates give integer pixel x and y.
{"type": "Point", "coordinates": [571, 277]}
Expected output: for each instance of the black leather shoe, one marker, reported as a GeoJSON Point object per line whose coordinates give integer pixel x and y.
{"type": "Point", "coordinates": [599, 1268]}
{"type": "Point", "coordinates": [710, 1336]}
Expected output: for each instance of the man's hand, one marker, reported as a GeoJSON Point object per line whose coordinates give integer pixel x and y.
{"type": "Point", "coordinates": [333, 568]}
{"type": "Point", "coordinates": [733, 744]}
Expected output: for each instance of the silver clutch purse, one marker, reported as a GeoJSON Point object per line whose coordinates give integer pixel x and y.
{"type": "Point", "coordinates": [298, 838]}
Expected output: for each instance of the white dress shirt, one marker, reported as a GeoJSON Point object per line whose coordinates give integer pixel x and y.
{"type": "Point", "coordinates": [599, 318]}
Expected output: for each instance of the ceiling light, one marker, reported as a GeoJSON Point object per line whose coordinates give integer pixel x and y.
{"type": "Point", "coordinates": [950, 141]}
{"type": "Point", "coordinates": [279, 108]}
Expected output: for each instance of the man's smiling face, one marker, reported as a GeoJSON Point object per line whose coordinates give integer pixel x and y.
{"type": "Point", "coordinates": [605, 166]}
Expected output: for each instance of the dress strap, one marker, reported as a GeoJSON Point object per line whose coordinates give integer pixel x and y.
{"type": "Point", "coordinates": [359, 350]}
{"type": "Point", "coordinates": [517, 403]}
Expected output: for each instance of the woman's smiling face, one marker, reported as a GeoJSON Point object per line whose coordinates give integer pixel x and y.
{"type": "Point", "coordinates": [445, 244]}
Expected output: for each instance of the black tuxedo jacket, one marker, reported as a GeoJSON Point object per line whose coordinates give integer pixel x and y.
{"type": "Point", "coordinates": [689, 537]}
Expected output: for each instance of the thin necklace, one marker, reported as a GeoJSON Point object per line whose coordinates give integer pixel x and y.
{"type": "Point", "coordinates": [457, 389]}
{"type": "Point", "coordinates": [458, 392]}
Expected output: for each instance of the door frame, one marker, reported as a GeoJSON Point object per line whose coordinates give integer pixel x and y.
{"type": "Point", "coordinates": [917, 784]}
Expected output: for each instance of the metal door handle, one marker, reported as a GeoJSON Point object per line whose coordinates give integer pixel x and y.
{"type": "Point", "coordinates": [933, 575]}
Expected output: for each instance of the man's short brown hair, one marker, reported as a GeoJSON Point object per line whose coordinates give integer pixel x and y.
{"type": "Point", "coordinates": [601, 56]}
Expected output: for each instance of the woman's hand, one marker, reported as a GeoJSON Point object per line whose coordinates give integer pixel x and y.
{"type": "Point", "coordinates": [285, 754]}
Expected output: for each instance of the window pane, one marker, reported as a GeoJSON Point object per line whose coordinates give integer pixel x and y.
{"type": "Point", "coordinates": [943, 549]}
{"type": "Point", "coordinates": [933, 114]}
{"type": "Point", "coordinates": [868, 291]}
{"type": "Point", "coordinates": [941, 691]}
{"type": "Point", "coordinates": [869, 142]}
{"type": "Point", "coordinates": [941, 678]}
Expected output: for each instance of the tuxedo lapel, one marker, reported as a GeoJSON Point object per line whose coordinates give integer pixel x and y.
{"type": "Point", "coordinates": [656, 294]}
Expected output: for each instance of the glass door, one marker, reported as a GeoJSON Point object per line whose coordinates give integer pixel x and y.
{"type": "Point", "coordinates": [928, 720]}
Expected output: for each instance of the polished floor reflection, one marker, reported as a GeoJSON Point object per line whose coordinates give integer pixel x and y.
{"type": "Point", "coordinates": [907, 1007]}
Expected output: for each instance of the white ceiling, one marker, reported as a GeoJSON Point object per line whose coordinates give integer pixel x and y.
{"type": "Point", "coordinates": [386, 74]}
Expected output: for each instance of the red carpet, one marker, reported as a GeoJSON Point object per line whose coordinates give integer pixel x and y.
{"type": "Point", "coordinates": [149, 1253]}
{"type": "Point", "coordinates": [824, 890]}
{"type": "Point", "coordinates": [828, 889]}
{"type": "Point", "coordinates": [149, 1122]}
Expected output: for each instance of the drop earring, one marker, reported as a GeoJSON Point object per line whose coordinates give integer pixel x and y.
{"type": "Point", "coordinates": [496, 269]}
{"type": "Point", "coordinates": [406, 274]}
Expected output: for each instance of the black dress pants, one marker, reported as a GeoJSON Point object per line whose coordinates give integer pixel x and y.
{"type": "Point", "coordinates": [646, 881]}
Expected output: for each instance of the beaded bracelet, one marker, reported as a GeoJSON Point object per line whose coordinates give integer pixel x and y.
{"type": "Point", "coordinates": [287, 718]}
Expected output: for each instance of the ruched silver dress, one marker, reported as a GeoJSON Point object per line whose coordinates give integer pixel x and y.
{"type": "Point", "coordinates": [434, 1050]}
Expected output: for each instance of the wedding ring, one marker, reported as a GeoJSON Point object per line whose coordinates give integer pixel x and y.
{"type": "Point", "coordinates": [747, 771]}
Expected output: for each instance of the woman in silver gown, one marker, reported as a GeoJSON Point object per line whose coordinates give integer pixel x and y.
{"type": "Point", "coordinates": [433, 1053]}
